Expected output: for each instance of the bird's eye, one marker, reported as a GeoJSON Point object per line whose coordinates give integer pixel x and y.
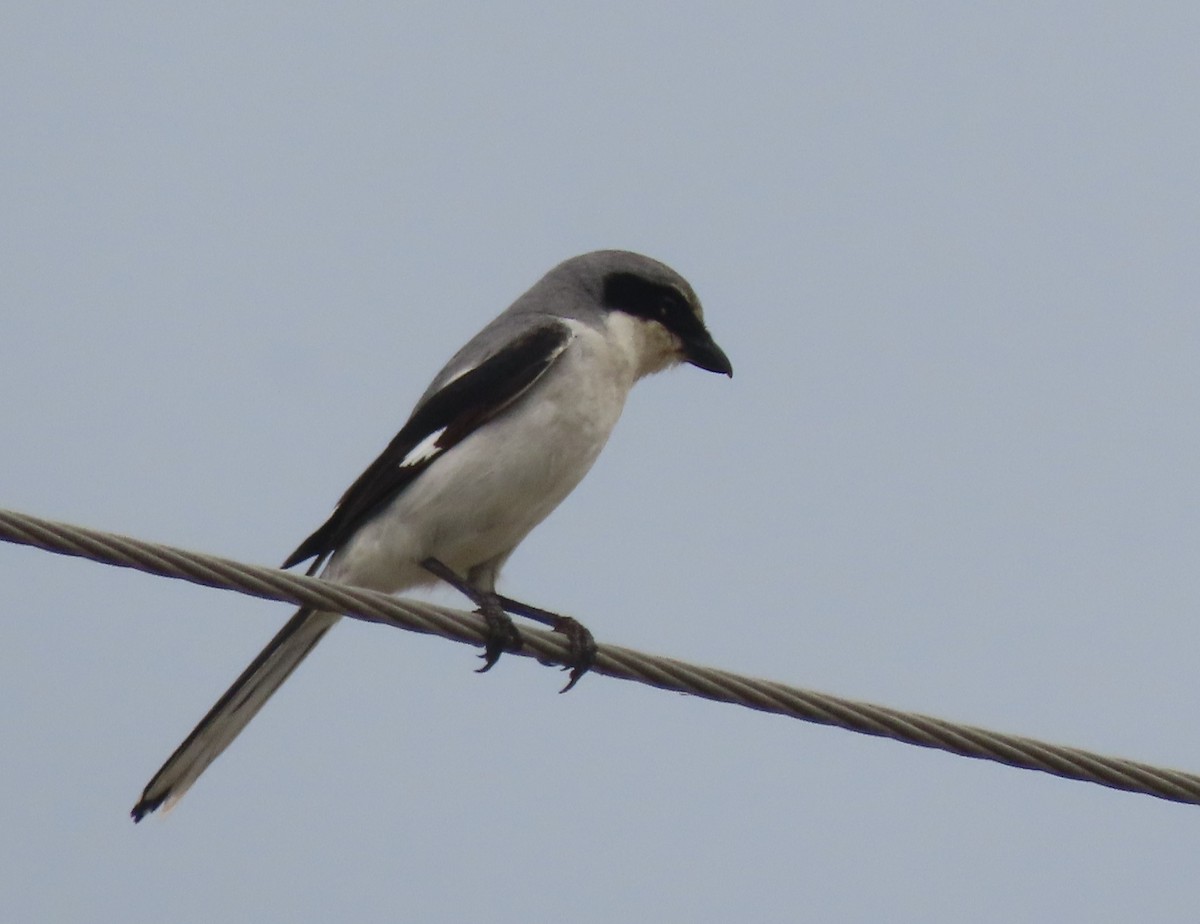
{"type": "Point", "coordinates": [670, 303]}
{"type": "Point", "coordinates": [645, 299]}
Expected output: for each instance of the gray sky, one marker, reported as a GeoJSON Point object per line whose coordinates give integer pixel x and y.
{"type": "Point", "coordinates": [951, 251]}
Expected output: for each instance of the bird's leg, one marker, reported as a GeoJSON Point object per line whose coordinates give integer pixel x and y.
{"type": "Point", "coordinates": [580, 640]}
{"type": "Point", "coordinates": [502, 635]}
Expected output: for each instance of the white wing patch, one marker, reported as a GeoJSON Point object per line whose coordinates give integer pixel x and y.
{"type": "Point", "coordinates": [424, 450]}
{"type": "Point", "coordinates": [429, 449]}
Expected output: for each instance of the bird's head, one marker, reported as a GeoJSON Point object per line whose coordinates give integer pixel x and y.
{"type": "Point", "coordinates": [666, 312]}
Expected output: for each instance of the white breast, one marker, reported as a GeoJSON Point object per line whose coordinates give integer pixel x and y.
{"type": "Point", "coordinates": [480, 499]}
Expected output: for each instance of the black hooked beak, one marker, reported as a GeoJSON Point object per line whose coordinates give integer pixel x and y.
{"type": "Point", "coordinates": [701, 351]}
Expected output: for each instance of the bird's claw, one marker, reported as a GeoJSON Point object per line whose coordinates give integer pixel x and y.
{"type": "Point", "coordinates": [502, 636]}
{"type": "Point", "coordinates": [582, 648]}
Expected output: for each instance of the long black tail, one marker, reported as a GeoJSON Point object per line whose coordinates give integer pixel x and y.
{"type": "Point", "coordinates": [239, 705]}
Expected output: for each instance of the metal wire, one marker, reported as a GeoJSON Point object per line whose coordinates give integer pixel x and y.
{"type": "Point", "coordinates": [613, 661]}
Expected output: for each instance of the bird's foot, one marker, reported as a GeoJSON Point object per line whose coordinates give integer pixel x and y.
{"type": "Point", "coordinates": [502, 635]}
{"type": "Point", "coordinates": [583, 648]}
{"type": "Point", "coordinates": [580, 641]}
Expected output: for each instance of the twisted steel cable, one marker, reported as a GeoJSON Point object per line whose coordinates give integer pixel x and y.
{"type": "Point", "coordinates": [627, 664]}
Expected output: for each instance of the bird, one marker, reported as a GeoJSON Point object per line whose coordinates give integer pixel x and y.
{"type": "Point", "coordinates": [505, 431]}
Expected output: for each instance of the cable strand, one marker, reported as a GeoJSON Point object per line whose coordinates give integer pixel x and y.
{"type": "Point", "coordinates": [611, 660]}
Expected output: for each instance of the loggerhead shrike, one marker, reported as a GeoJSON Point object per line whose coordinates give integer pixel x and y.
{"type": "Point", "coordinates": [503, 434]}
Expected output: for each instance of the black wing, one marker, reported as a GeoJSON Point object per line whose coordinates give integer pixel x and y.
{"type": "Point", "coordinates": [446, 418]}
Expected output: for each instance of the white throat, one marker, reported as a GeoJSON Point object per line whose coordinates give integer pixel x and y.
{"type": "Point", "coordinates": [645, 346]}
